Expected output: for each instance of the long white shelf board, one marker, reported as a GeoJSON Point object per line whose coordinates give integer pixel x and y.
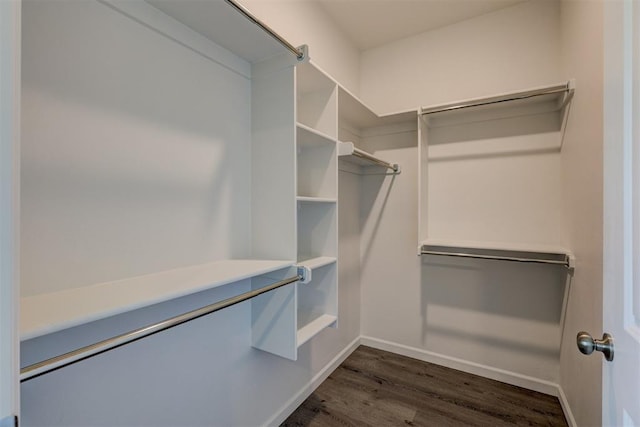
{"type": "Point", "coordinates": [496, 250]}
{"type": "Point", "coordinates": [312, 328]}
{"type": "Point", "coordinates": [222, 24]}
{"type": "Point", "coordinates": [52, 312]}
{"type": "Point", "coordinates": [528, 102]}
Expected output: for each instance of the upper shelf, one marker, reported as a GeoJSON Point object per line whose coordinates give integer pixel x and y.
{"type": "Point", "coordinates": [528, 121]}
{"type": "Point", "coordinates": [553, 98]}
{"type": "Point", "coordinates": [223, 23]}
{"type": "Point", "coordinates": [52, 312]}
{"type": "Point", "coordinates": [354, 155]}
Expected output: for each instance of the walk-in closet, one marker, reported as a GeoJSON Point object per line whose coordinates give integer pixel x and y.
{"type": "Point", "coordinates": [211, 206]}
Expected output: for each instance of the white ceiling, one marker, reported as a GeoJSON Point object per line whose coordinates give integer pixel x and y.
{"type": "Point", "coordinates": [371, 23]}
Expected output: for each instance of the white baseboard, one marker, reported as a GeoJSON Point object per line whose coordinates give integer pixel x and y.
{"type": "Point", "coordinates": [566, 408]}
{"type": "Point", "coordinates": [306, 391]}
{"type": "Point", "coordinates": [509, 377]}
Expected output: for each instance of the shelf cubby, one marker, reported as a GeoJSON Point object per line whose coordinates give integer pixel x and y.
{"type": "Point", "coordinates": [317, 230]}
{"type": "Point", "coordinates": [316, 99]}
{"type": "Point", "coordinates": [317, 303]}
{"type": "Point", "coordinates": [316, 164]}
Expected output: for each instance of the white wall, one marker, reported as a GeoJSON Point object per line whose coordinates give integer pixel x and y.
{"type": "Point", "coordinates": [304, 22]}
{"type": "Point", "coordinates": [582, 57]}
{"type": "Point", "coordinates": [137, 143]}
{"type": "Point", "coordinates": [497, 315]}
{"type": "Point", "coordinates": [127, 169]}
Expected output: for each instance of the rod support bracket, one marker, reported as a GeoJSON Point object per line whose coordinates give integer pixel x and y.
{"type": "Point", "coordinates": [305, 273]}
{"type": "Point", "coordinates": [303, 53]}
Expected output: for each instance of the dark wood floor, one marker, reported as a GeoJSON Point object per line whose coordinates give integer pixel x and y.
{"type": "Point", "coordinates": [377, 388]}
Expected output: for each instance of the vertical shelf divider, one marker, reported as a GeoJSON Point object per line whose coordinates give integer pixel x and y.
{"type": "Point", "coordinates": [273, 174]}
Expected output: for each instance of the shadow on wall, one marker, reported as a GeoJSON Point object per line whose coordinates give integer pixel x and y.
{"type": "Point", "coordinates": [499, 304]}
{"type": "Point", "coordinates": [368, 205]}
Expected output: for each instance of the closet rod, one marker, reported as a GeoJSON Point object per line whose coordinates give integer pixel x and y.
{"type": "Point", "coordinates": [364, 155]}
{"type": "Point", "coordinates": [299, 53]}
{"type": "Point", "coordinates": [86, 352]}
{"type": "Point", "coordinates": [503, 98]}
{"type": "Point", "coordinates": [498, 254]}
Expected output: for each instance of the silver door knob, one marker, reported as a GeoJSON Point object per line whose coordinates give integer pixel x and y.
{"type": "Point", "coordinates": [586, 345]}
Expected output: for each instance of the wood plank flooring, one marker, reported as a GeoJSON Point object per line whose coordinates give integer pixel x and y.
{"type": "Point", "coordinates": [377, 388]}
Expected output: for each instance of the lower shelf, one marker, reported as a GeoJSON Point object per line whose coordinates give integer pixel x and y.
{"type": "Point", "coordinates": [312, 325]}
{"type": "Point", "coordinates": [52, 312]}
{"type": "Point", "coordinates": [528, 255]}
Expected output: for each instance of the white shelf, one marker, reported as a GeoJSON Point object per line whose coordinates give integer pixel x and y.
{"type": "Point", "coordinates": [317, 262]}
{"type": "Point", "coordinates": [52, 312]}
{"type": "Point", "coordinates": [316, 165]}
{"type": "Point", "coordinates": [497, 250]}
{"type": "Point", "coordinates": [309, 137]}
{"type": "Point", "coordinates": [541, 100]}
{"type": "Point", "coordinates": [305, 199]}
{"type": "Point", "coordinates": [222, 24]}
{"type": "Point", "coordinates": [527, 121]}
{"type": "Point", "coordinates": [312, 325]}
{"type": "Point", "coordinates": [348, 152]}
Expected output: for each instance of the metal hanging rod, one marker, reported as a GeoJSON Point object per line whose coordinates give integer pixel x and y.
{"type": "Point", "coordinates": [86, 352]}
{"type": "Point", "coordinates": [498, 254]}
{"type": "Point", "coordinates": [299, 53]}
{"type": "Point", "coordinates": [566, 87]}
{"type": "Point", "coordinates": [364, 155]}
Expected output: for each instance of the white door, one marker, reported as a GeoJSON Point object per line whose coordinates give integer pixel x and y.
{"type": "Point", "coordinates": [621, 377]}
{"type": "Point", "coordinates": [9, 161]}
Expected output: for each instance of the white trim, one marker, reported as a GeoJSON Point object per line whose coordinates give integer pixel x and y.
{"type": "Point", "coordinates": [566, 408]}
{"type": "Point", "coordinates": [509, 377]}
{"type": "Point", "coordinates": [10, 36]}
{"type": "Point", "coordinates": [309, 388]}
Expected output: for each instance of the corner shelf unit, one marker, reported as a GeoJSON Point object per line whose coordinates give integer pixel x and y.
{"type": "Point", "coordinates": [263, 79]}
{"type": "Point", "coordinates": [317, 201]}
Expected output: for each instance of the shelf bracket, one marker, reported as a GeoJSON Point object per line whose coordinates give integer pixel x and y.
{"type": "Point", "coordinates": [305, 273]}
